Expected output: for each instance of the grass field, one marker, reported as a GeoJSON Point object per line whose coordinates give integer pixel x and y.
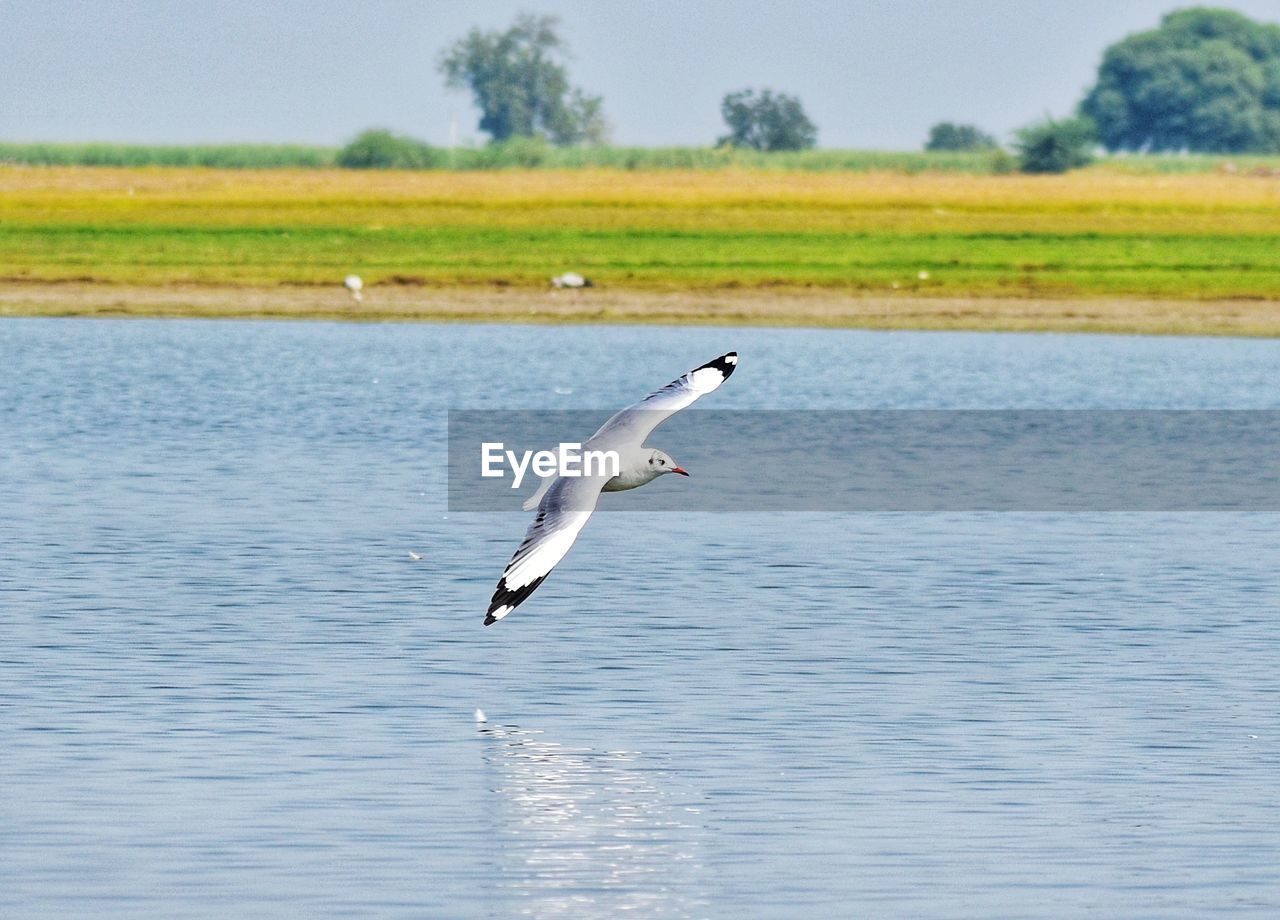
{"type": "Point", "coordinates": [523, 154]}
{"type": "Point", "coordinates": [217, 156]}
{"type": "Point", "coordinates": [1092, 234]}
{"type": "Point", "coordinates": [517, 154]}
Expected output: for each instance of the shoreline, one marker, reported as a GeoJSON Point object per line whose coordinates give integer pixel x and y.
{"type": "Point", "coordinates": [781, 307]}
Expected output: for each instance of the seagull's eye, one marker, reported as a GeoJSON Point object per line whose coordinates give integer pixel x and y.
{"type": "Point", "coordinates": [662, 463]}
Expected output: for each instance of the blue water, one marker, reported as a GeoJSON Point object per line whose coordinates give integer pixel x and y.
{"type": "Point", "coordinates": [226, 690]}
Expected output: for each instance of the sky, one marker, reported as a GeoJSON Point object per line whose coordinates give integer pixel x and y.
{"type": "Point", "coordinates": [872, 74]}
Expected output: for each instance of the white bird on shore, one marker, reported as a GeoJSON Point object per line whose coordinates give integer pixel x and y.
{"type": "Point", "coordinates": [354, 284]}
{"type": "Point", "coordinates": [565, 502]}
{"type": "Point", "coordinates": [571, 280]}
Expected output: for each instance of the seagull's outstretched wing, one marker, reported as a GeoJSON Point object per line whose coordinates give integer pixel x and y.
{"type": "Point", "coordinates": [634, 423]}
{"type": "Point", "coordinates": [562, 513]}
{"type": "Point", "coordinates": [535, 499]}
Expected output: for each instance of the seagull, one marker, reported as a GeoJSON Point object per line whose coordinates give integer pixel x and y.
{"type": "Point", "coordinates": [571, 280]}
{"type": "Point", "coordinates": [416, 557]}
{"type": "Point", "coordinates": [355, 285]}
{"type": "Point", "coordinates": [564, 503]}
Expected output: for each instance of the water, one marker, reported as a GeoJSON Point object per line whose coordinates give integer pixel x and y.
{"type": "Point", "coordinates": [227, 690]}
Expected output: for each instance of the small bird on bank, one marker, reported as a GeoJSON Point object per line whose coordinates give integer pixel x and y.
{"type": "Point", "coordinates": [571, 280]}
{"type": "Point", "coordinates": [355, 284]}
{"type": "Point", "coordinates": [565, 502]}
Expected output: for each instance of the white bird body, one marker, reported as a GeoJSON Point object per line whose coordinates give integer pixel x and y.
{"type": "Point", "coordinates": [635, 469]}
{"type": "Point", "coordinates": [565, 503]}
{"type": "Point", "coordinates": [571, 280]}
{"type": "Point", "coordinates": [354, 284]}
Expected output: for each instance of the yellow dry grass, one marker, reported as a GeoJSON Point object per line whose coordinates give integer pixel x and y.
{"type": "Point", "coordinates": [1074, 203]}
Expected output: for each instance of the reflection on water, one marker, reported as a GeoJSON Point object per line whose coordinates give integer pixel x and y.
{"type": "Point", "coordinates": [576, 830]}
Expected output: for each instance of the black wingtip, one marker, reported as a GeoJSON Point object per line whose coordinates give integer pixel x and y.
{"type": "Point", "coordinates": [725, 364]}
{"type": "Point", "coordinates": [509, 598]}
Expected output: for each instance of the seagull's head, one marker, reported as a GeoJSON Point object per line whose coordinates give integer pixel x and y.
{"type": "Point", "coordinates": [660, 462]}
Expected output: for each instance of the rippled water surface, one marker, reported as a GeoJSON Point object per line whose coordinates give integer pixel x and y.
{"type": "Point", "coordinates": [227, 690]}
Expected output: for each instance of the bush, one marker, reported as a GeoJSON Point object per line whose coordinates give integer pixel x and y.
{"type": "Point", "coordinates": [946, 135]}
{"type": "Point", "coordinates": [515, 153]}
{"type": "Point", "coordinates": [1001, 162]}
{"type": "Point", "coordinates": [1053, 146]}
{"type": "Point", "coordinates": [379, 149]}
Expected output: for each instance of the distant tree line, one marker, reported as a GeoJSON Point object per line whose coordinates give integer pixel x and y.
{"type": "Point", "coordinates": [1206, 80]}
{"type": "Point", "coordinates": [519, 81]}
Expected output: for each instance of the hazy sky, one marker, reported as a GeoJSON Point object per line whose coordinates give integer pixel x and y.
{"type": "Point", "coordinates": [871, 73]}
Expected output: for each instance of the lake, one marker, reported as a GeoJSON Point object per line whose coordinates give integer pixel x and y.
{"type": "Point", "coordinates": [227, 690]}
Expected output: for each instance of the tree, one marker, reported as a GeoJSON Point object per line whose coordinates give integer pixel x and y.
{"type": "Point", "coordinates": [521, 86]}
{"type": "Point", "coordinates": [1051, 146]}
{"type": "Point", "coordinates": [766, 121]}
{"type": "Point", "coordinates": [1205, 80]}
{"type": "Point", "coordinates": [946, 135]}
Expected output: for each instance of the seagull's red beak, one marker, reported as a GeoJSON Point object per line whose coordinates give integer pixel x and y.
{"type": "Point", "coordinates": [680, 469]}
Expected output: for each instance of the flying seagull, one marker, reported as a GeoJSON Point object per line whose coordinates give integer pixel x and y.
{"type": "Point", "coordinates": [355, 285]}
{"type": "Point", "coordinates": [571, 280]}
{"type": "Point", "coordinates": [564, 503]}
